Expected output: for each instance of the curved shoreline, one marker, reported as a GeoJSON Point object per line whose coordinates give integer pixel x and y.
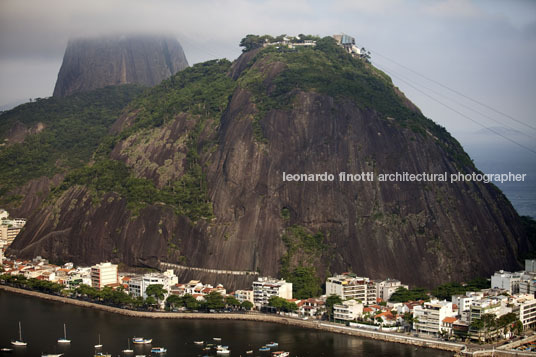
{"type": "Point", "coordinates": [317, 325]}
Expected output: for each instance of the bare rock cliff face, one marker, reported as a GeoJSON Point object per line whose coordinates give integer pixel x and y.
{"type": "Point", "coordinates": [98, 62]}
{"type": "Point", "coordinates": [420, 233]}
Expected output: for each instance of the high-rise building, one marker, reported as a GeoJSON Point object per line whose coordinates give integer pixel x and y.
{"type": "Point", "coordinates": [103, 274]}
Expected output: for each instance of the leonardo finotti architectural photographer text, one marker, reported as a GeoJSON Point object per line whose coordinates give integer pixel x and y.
{"type": "Point", "coordinates": [405, 177]}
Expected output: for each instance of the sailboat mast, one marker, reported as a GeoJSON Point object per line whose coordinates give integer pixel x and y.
{"type": "Point", "coordinates": [20, 332]}
{"type": "Point", "coordinates": [64, 332]}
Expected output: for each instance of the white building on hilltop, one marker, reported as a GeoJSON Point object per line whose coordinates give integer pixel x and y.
{"type": "Point", "coordinates": [103, 274]}
{"type": "Point", "coordinates": [4, 214]}
{"type": "Point", "coordinates": [264, 288]}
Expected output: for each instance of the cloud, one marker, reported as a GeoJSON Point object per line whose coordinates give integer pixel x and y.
{"type": "Point", "coordinates": [453, 8]}
{"type": "Point", "coordinates": [369, 7]}
{"type": "Point", "coordinates": [458, 42]}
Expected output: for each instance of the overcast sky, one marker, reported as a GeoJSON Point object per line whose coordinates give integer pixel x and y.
{"type": "Point", "coordinates": [484, 49]}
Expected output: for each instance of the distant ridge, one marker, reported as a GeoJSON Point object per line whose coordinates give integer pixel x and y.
{"type": "Point", "coordinates": [90, 63]}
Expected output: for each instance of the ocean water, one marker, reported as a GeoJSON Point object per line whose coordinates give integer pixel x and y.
{"type": "Point", "coordinates": [42, 324]}
{"type": "Point", "coordinates": [502, 159]}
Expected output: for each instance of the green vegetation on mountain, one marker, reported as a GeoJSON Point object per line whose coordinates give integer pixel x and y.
{"type": "Point", "coordinates": [74, 127]}
{"type": "Point", "coordinates": [442, 292]}
{"type": "Point", "coordinates": [404, 295]}
{"type": "Point", "coordinates": [445, 291]}
{"type": "Point", "coordinates": [297, 264]}
{"type": "Point", "coordinates": [202, 91]}
{"type": "Point", "coordinates": [187, 195]}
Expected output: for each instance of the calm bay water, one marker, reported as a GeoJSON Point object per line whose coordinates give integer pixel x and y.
{"type": "Point", "coordinates": [42, 324]}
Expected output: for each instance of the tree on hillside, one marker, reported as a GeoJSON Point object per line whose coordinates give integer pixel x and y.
{"type": "Point", "coordinates": [405, 295]}
{"type": "Point", "coordinates": [251, 42]}
{"type": "Point", "coordinates": [305, 283]}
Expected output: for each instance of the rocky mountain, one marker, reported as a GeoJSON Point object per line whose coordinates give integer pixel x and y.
{"type": "Point", "coordinates": [91, 63]}
{"type": "Point", "coordinates": [192, 174]}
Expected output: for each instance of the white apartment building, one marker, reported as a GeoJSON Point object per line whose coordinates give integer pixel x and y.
{"type": "Point", "coordinates": [463, 302]}
{"type": "Point", "coordinates": [137, 286]}
{"type": "Point", "coordinates": [387, 287]}
{"type": "Point", "coordinates": [429, 317]}
{"type": "Point", "coordinates": [81, 275]}
{"type": "Point", "coordinates": [527, 313]}
{"type": "Point", "coordinates": [348, 310]}
{"type": "Point", "coordinates": [527, 286]}
{"type": "Point", "coordinates": [8, 233]}
{"type": "Point", "coordinates": [349, 286]}
{"type": "Point", "coordinates": [244, 295]}
{"type": "Point", "coordinates": [103, 274]}
{"type": "Point", "coordinates": [506, 280]}
{"type": "Point", "coordinates": [493, 305]}
{"type": "Point", "coordinates": [530, 265]}
{"type": "Point", "coordinates": [264, 288]}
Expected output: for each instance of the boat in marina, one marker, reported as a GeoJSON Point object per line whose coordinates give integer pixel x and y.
{"type": "Point", "coordinates": [98, 345]}
{"type": "Point", "coordinates": [158, 350]}
{"type": "Point", "coordinates": [137, 340]}
{"type": "Point", "coordinates": [128, 350]}
{"type": "Point", "coordinates": [198, 342]}
{"type": "Point", "coordinates": [281, 353]}
{"type": "Point", "coordinates": [216, 338]}
{"type": "Point", "coordinates": [222, 350]}
{"type": "Point", "coordinates": [6, 349]}
{"type": "Point", "coordinates": [52, 355]}
{"type": "Point", "coordinates": [272, 344]}
{"type": "Point", "coordinates": [264, 349]}
{"type": "Point", "coordinates": [250, 352]}
{"type": "Point", "coordinates": [64, 339]}
{"type": "Point", "coordinates": [19, 342]}
{"type": "Point", "coordinates": [141, 340]}
{"type": "Point", "coordinates": [100, 354]}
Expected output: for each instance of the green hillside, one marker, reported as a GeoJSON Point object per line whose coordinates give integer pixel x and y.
{"type": "Point", "coordinates": [74, 127]}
